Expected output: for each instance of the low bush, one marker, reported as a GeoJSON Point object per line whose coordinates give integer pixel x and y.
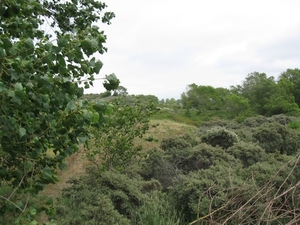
{"type": "Point", "coordinates": [158, 166]}
{"type": "Point", "coordinates": [219, 136]}
{"type": "Point", "coordinates": [224, 194]}
{"type": "Point", "coordinates": [247, 153]}
{"type": "Point", "coordinates": [102, 198]}
{"type": "Point", "coordinates": [199, 193]}
{"type": "Point", "coordinates": [179, 142]}
{"type": "Point", "coordinates": [203, 156]}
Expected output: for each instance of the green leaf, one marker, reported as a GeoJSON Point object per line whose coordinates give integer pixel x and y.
{"type": "Point", "coordinates": [29, 44]}
{"type": "Point", "coordinates": [14, 75]}
{"type": "Point", "coordinates": [28, 166]}
{"type": "Point", "coordinates": [2, 53]}
{"type": "Point", "coordinates": [84, 67]}
{"type": "Point", "coordinates": [18, 87]}
{"type": "Point", "coordinates": [70, 106]}
{"type": "Point", "coordinates": [83, 138]}
{"type": "Point", "coordinates": [95, 117]}
{"type": "Point", "coordinates": [11, 93]}
{"type": "Point", "coordinates": [2, 87]}
{"type": "Point", "coordinates": [110, 108]}
{"type": "Point", "coordinates": [87, 114]}
{"type": "Point", "coordinates": [62, 42]}
{"type": "Point", "coordinates": [66, 79]}
{"type": "Point", "coordinates": [56, 49]}
{"type": "Point", "coordinates": [100, 105]}
{"type": "Point", "coordinates": [22, 131]}
{"type": "Point", "coordinates": [48, 46]}
{"type": "Point", "coordinates": [32, 212]}
{"type": "Point", "coordinates": [6, 43]}
{"type": "Point", "coordinates": [61, 60]}
{"type": "Point", "coordinates": [102, 38]}
{"type": "Point", "coordinates": [98, 66]}
{"type": "Point", "coordinates": [112, 82]}
{"type": "Point", "coordinates": [86, 44]}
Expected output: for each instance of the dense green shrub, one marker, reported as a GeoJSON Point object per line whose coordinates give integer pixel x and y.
{"type": "Point", "coordinates": [271, 137]}
{"type": "Point", "coordinates": [199, 193]}
{"type": "Point", "coordinates": [277, 182]}
{"type": "Point", "coordinates": [255, 121]}
{"type": "Point", "coordinates": [83, 205]}
{"type": "Point", "coordinates": [101, 197]}
{"type": "Point", "coordinates": [229, 124]}
{"type": "Point", "coordinates": [248, 153]}
{"type": "Point", "coordinates": [260, 120]}
{"type": "Point", "coordinates": [294, 125]}
{"type": "Point", "coordinates": [176, 149]}
{"type": "Point", "coordinates": [203, 156]}
{"type": "Point", "coordinates": [291, 142]}
{"type": "Point", "coordinates": [265, 191]}
{"type": "Point", "coordinates": [158, 166]}
{"type": "Point", "coordinates": [219, 136]}
{"type": "Point", "coordinates": [179, 142]}
{"type": "Point", "coordinates": [275, 169]}
{"type": "Point", "coordinates": [245, 134]}
{"type": "Point", "coordinates": [282, 119]}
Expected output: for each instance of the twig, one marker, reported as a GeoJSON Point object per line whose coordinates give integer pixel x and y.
{"type": "Point", "coordinates": [201, 218]}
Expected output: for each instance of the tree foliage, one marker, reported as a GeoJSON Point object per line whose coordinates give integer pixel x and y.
{"type": "Point", "coordinates": [202, 98]}
{"type": "Point", "coordinates": [42, 122]}
{"type": "Point", "coordinates": [257, 88]}
{"type": "Point", "coordinates": [293, 75]}
{"type": "Point", "coordinates": [282, 101]}
{"type": "Point", "coordinates": [113, 144]}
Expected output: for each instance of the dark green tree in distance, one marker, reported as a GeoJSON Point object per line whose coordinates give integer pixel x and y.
{"type": "Point", "coordinates": [293, 75]}
{"type": "Point", "coordinates": [282, 101]}
{"type": "Point", "coordinates": [237, 106]}
{"type": "Point", "coordinates": [41, 120]}
{"type": "Point", "coordinates": [267, 96]}
{"type": "Point", "coordinates": [202, 98]}
{"type": "Point", "coordinates": [258, 88]}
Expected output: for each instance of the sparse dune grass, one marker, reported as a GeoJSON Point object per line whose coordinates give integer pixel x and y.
{"type": "Point", "coordinates": [160, 129]}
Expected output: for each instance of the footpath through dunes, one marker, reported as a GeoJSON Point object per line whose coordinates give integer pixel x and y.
{"type": "Point", "coordinates": [76, 167]}
{"type": "Point", "coordinates": [159, 129]}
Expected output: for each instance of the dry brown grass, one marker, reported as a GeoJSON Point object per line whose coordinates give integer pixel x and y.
{"type": "Point", "coordinates": [76, 167]}
{"type": "Point", "coordinates": [165, 129]}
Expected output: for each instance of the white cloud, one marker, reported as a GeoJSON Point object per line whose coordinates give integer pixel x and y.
{"type": "Point", "coordinates": [159, 47]}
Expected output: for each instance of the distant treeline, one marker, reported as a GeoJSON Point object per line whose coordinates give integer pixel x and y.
{"type": "Point", "coordinates": [257, 95]}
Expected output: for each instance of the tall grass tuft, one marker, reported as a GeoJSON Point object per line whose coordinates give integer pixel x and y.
{"type": "Point", "coordinates": [157, 211]}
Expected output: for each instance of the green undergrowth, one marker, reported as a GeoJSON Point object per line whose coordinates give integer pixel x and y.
{"type": "Point", "coordinates": [221, 173]}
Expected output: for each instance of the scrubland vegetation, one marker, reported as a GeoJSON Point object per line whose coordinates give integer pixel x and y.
{"type": "Point", "coordinates": [214, 156]}
{"type": "Point", "coordinates": [223, 171]}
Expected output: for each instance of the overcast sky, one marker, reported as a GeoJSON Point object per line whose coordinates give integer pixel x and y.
{"type": "Point", "coordinates": [160, 46]}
